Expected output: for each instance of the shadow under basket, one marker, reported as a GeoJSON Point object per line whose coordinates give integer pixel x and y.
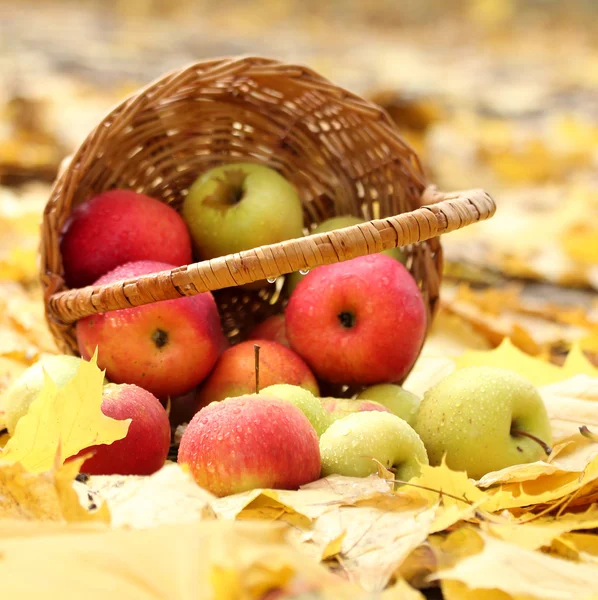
{"type": "Point", "coordinates": [342, 153]}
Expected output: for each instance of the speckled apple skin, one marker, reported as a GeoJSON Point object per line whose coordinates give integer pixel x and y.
{"type": "Point", "coordinates": [234, 373]}
{"type": "Point", "coordinates": [390, 321]}
{"type": "Point", "coordinates": [128, 353]}
{"type": "Point", "coordinates": [117, 227]}
{"type": "Point", "coordinates": [144, 449]}
{"type": "Point", "coordinates": [245, 443]}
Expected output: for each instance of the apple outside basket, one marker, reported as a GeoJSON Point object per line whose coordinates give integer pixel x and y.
{"type": "Point", "coordinates": [343, 154]}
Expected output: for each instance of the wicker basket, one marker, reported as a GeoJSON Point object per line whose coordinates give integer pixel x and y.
{"type": "Point", "coordinates": [342, 153]}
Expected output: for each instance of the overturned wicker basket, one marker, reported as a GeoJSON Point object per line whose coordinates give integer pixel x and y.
{"type": "Point", "coordinates": [342, 153]}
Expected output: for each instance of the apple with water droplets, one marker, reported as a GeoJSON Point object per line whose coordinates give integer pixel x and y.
{"type": "Point", "coordinates": [358, 322]}
{"type": "Point", "coordinates": [165, 347]}
{"type": "Point", "coordinates": [234, 373]}
{"type": "Point", "coordinates": [349, 446]}
{"type": "Point", "coordinates": [484, 419]}
{"type": "Point", "coordinates": [337, 408]}
{"type": "Point", "coordinates": [144, 449]}
{"type": "Point", "coordinates": [304, 400]}
{"type": "Point", "coordinates": [117, 227]}
{"type": "Point", "coordinates": [240, 206]}
{"type": "Point", "coordinates": [398, 400]}
{"type": "Point", "coordinates": [250, 442]}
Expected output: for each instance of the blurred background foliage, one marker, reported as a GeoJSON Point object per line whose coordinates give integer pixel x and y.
{"type": "Point", "coordinates": [499, 94]}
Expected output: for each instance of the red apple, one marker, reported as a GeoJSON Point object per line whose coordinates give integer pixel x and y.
{"type": "Point", "coordinates": [234, 373]}
{"type": "Point", "coordinates": [166, 347]}
{"type": "Point", "coordinates": [273, 328]}
{"type": "Point", "coordinates": [250, 442]}
{"type": "Point", "coordinates": [117, 227]}
{"type": "Point", "coordinates": [358, 322]}
{"type": "Point", "coordinates": [144, 449]}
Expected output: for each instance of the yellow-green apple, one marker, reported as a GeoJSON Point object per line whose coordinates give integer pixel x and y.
{"type": "Point", "coordinates": [304, 400]}
{"type": "Point", "coordinates": [234, 373]}
{"type": "Point", "coordinates": [349, 446]}
{"type": "Point", "coordinates": [241, 206]}
{"type": "Point", "coordinates": [358, 322]}
{"type": "Point", "coordinates": [117, 227]}
{"type": "Point", "coordinates": [483, 419]}
{"type": "Point", "coordinates": [273, 328]}
{"type": "Point", "coordinates": [399, 401]}
{"type": "Point", "coordinates": [166, 347]}
{"type": "Point", "coordinates": [144, 449]}
{"type": "Point", "coordinates": [250, 442]}
{"type": "Point", "coordinates": [25, 389]}
{"type": "Point", "coordinates": [338, 223]}
{"type": "Point", "coordinates": [337, 408]}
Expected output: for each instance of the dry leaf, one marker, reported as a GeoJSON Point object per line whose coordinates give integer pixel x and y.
{"type": "Point", "coordinates": [47, 496]}
{"type": "Point", "coordinates": [64, 422]}
{"type": "Point", "coordinates": [522, 572]}
{"type": "Point", "coordinates": [208, 560]}
{"type": "Point", "coordinates": [168, 496]}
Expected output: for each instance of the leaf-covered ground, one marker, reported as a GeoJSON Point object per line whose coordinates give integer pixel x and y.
{"type": "Point", "coordinates": [491, 96]}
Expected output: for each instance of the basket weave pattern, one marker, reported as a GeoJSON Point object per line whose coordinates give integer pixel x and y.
{"type": "Point", "coordinates": [341, 152]}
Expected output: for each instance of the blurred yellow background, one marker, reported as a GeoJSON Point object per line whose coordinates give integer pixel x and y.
{"type": "Point", "coordinates": [499, 94]}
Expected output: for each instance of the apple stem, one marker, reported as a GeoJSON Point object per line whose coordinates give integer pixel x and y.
{"type": "Point", "coordinates": [547, 449]}
{"type": "Point", "coordinates": [587, 433]}
{"type": "Point", "coordinates": [256, 349]}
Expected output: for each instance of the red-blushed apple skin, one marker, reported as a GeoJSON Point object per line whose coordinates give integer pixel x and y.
{"type": "Point", "coordinates": [128, 353]}
{"type": "Point", "coordinates": [117, 227]}
{"type": "Point", "coordinates": [234, 373]}
{"type": "Point", "coordinates": [273, 328]}
{"type": "Point", "coordinates": [249, 442]}
{"type": "Point", "coordinates": [144, 449]}
{"type": "Point", "coordinates": [390, 321]}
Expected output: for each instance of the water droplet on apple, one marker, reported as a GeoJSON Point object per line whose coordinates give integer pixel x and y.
{"type": "Point", "coordinates": [236, 410]}
{"type": "Point", "coordinates": [219, 437]}
{"type": "Point", "coordinates": [303, 271]}
{"type": "Point", "coordinates": [210, 466]}
{"type": "Point", "coordinates": [271, 280]}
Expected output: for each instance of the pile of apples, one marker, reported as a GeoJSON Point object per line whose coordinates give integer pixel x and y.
{"type": "Point", "coordinates": [254, 412]}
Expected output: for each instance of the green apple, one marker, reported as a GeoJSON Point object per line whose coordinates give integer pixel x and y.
{"type": "Point", "coordinates": [483, 419]}
{"type": "Point", "coordinates": [400, 402]}
{"type": "Point", "coordinates": [240, 206]}
{"type": "Point", "coordinates": [293, 279]}
{"type": "Point", "coordinates": [17, 399]}
{"type": "Point", "coordinates": [304, 400]}
{"type": "Point", "coordinates": [348, 446]}
{"type": "Point", "coordinates": [338, 408]}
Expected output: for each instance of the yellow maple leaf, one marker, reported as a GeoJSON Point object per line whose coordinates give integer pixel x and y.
{"type": "Point", "coordinates": [63, 422]}
{"type": "Point", "coordinates": [539, 372]}
{"type": "Point", "coordinates": [456, 496]}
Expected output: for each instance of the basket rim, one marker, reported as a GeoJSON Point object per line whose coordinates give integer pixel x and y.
{"type": "Point", "coordinates": [255, 61]}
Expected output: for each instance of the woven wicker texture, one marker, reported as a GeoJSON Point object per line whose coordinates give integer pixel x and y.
{"type": "Point", "coordinates": [341, 152]}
